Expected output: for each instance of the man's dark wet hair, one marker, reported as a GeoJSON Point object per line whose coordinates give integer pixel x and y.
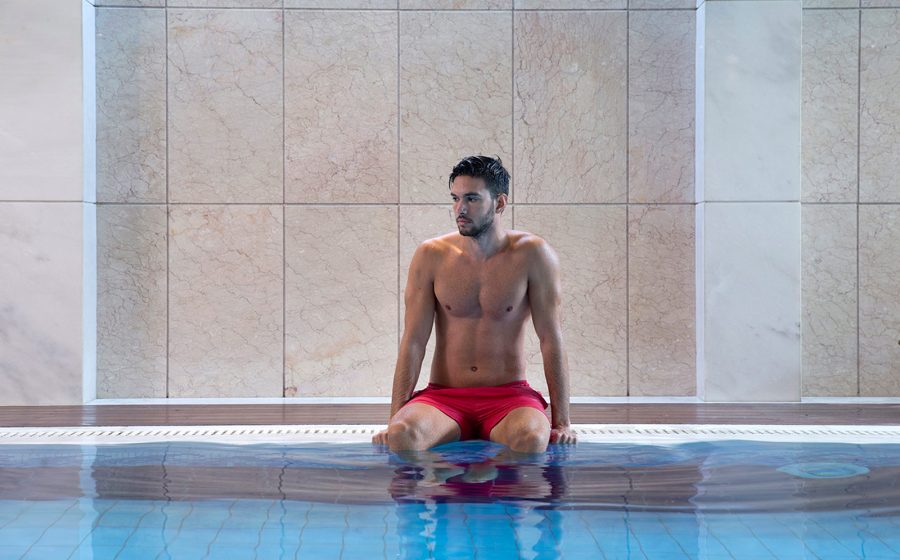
{"type": "Point", "coordinates": [495, 176]}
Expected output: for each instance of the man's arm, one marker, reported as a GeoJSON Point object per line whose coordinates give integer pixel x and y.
{"type": "Point", "coordinates": [418, 320]}
{"type": "Point", "coordinates": [544, 293]}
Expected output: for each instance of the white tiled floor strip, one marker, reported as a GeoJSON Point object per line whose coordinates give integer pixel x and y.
{"type": "Point", "coordinates": [657, 434]}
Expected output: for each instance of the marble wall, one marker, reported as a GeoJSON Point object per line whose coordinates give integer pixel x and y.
{"type": "Point", "coordinates": [850, 196]}
{"type": "Point", "coordinates": [265, 174]}
{"type": "Point", "coordinates": [265, 169]}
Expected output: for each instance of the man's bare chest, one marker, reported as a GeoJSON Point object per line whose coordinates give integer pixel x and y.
{"type": "Point", "coordinates": [495, 289]}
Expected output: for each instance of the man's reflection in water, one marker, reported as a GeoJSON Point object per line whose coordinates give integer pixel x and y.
{"type": "Point", "coordinates": [475, 496]}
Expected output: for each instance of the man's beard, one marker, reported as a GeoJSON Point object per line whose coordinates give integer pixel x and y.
{"type": "Point", "coordinates": [476, 232]}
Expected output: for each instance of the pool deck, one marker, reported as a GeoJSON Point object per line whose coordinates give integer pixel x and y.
{"type": "Point", "coordinates": [812, 414]}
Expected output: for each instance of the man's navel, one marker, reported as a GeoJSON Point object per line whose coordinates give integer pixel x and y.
{"type": "Point", "coordinates": [474, 368]}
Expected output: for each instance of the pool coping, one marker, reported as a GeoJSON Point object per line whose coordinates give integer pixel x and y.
{"type": "Point", "coordinates": [236, 434]}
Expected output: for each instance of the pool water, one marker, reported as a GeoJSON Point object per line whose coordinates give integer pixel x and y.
{"type": "Point", "coordinates": [713, 500]}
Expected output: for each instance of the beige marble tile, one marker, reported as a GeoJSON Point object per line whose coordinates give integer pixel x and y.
{"type": "Point", "coordinates": [340, 106]}
{"type": "Point", "coordinates": [879, 300]}
{"type": "Point", "coordinates": [661, 4]}
{"type": "Point", "coordinates": [417, 224]}
{"type": "Point", "coordinates": [131, 105]}
{"type": "Point", "coordinates": [41, 303]}
{"type": "Point", "coordinates": [661, 106]}
{"type": "Point", "coordinates": [456, 4]}
{"type": "Point", "coordinates": [131, 301]}
{"type": "Point", "coordinates": [661, 293]}
{"type": "Point", "coordinates": [135, 3]}
{"type": "Point", "coordinates": [571, 4]}
{"type": "Point", "coordinates": [570, 135]}
{"type": "Point", "coordinates": [225, 3]}
{"type": "Point", "coordinates": [455, 96]}
{"type": "Point", "coordinates": [830, 4]}
{"type": "Point", "coordinates": [226, 301]}
{"type": "Point", "coordinates": [879, 141]}
{"type": "Point", "coordinates": [830, 88]}
{"type": "Point", "coordinates": [829, 292]}
{"type": "Point", "coordinates": [342, 4]}
{"type": "Point", "coordinates": [590, 242]}
{"type": "Point", "coordinates": [341, 300]}
{"type": "Point", "coordinates": [225, 106]}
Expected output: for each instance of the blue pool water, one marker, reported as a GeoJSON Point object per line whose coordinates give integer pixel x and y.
{"type": "Point", "coordinates": [714, 500]}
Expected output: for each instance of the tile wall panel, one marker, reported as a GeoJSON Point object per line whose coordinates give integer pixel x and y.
{"type": "Point", "coordinates": [132, 301]}
{"type": "Point", "coordinates": [340, 300]}
{"type": "Point", "coordinates": [879, 141]}
{"type": "Point", "coordinates": [455, 96]}
{"type": "Point", "coordinates": [661, 4]}
{"type": "Point", "coordinates": [225, 3]}
{"type": "Point", "coordinates": [340, 106]}
{"type": "Point", "coordinates": [661, 106]}
{"type": "Point", "coordinates": [752, 101]}
{"type": "Point", "coordinates": [879, 300]}
{"type": "Point", "coordinates": [661, 335]}
{"type": "Point", "coordinates": [571, 4]}
{"type": "Point", "coordinates": [342, 4]}
{"type": "Point", "coordinates": [570, 133]}
{"type": "Point", "coordinates": [41, 303]}
{"type": "Point", "coordinates": [752, 295]}
{"type": "Point", "coordinates": [456, 4]}
{"type": "Point", "coordinates": [226, 306]}
{"type": "Point", "coordinates": [131, 105]}
{"type": "Point", "coordinates": [830, 4]}
{"type": "Point", "coordinates": [225, 106]}
{"type": "Point", "coordinates": [830, 102]}
{"type": "Point", "coordinates": [829, 291]}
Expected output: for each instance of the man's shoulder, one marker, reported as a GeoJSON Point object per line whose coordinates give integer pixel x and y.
{"type": "Point", "coordinates": [431, 252]}
{"type": "Point", "coordinates": [439, 244]}
{"type": "Point", "coordinates": [534, 246]}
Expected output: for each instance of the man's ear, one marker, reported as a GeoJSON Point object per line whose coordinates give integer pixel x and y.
{"type": "Point", "coordinates": [501, 203]}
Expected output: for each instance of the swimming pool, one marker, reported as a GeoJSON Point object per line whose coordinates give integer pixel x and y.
{"type": "Point", "coordinates": [704, 500]}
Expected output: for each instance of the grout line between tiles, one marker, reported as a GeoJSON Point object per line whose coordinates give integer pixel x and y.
{"type": "Point", "coordinates": [168, 209]}
{"type": "Point", "coordinates": [858, 138]}
{"type": "Point", "coordinates": [627, 211]}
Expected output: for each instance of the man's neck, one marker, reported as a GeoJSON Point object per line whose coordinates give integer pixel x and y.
{"type": "Point", "coordinates": [488, 244]}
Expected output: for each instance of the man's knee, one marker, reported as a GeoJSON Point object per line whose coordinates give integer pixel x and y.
{"type": "Point", "coordinates": [532, 436]}
{"type": "Point", "coordinates": [406, 435]}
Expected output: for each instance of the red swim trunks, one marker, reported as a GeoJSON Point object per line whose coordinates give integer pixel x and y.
{"type": "Point", "coordinates": [478, 409]}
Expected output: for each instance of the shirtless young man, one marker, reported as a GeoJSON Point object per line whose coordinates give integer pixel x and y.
{"type": "Point", "coordinates": [479, 286]}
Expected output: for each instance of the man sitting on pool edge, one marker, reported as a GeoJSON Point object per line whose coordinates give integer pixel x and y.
{"type": "Point", "coordinates": [478, 286]}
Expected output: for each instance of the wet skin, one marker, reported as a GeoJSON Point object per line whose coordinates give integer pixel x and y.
{"type": "Point", "coordinates": [479, 286]}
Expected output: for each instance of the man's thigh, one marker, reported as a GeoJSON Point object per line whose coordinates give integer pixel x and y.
{"type": "Point", "coordinates": [519, 421]}
{"type": "Point", "coordinates": [436, 427]}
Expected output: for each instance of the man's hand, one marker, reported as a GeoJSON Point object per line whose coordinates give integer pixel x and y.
{"type": "Point", "coordinates": [563, 434]}
{"type": "Point", "coordinates": [381, 438]}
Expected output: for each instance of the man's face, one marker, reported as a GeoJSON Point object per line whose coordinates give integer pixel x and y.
{"type": "Point", "coordinates": [473, 207]}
